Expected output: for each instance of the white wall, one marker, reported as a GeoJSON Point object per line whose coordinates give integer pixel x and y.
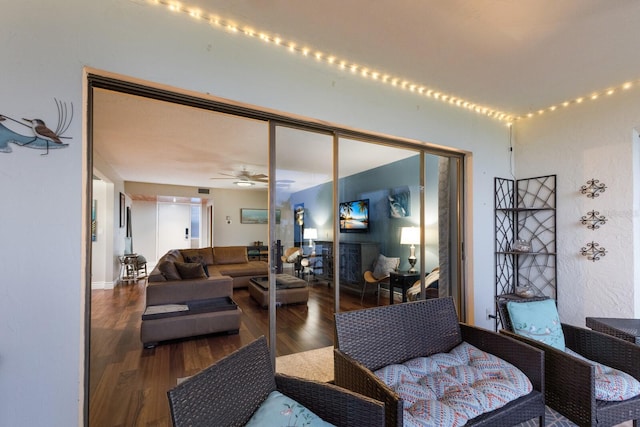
{"type": "Point", "coordinates": [228, 203]}
{"type": "Point", "coordinates": [42, 352]}
{"type": "Point", "coordinates": [592, 140]}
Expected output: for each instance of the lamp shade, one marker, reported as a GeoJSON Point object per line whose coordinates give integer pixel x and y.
{"type": "Point", "coordinates": [310, 233]}
{"type": "Point", "coordinates": [410, 236]}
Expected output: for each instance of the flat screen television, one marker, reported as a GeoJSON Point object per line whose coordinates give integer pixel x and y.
{"type": "Point", "coordinates": [354, 216]}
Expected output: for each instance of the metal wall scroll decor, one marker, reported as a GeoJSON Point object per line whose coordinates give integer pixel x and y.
{"type": "Point", "coordinates": [593, 220]}
{"type": "Point", "coordinates": [593, 189]}
{"type": "Point", "coordinates": [593, 252]}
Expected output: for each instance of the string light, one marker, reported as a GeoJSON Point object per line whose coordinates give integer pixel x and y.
{"type": "Point", "coordinates": [344, 64]}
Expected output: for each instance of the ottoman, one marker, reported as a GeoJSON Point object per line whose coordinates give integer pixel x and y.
{"type": "Point", "coordinates": [289, 290]}
{"type": "Point", "coordinates": [200, 317]}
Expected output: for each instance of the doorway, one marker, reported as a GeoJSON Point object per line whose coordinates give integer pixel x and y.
{"type": "Point", "coordinates": [325, 154]}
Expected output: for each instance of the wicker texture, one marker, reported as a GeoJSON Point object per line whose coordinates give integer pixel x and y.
{"type": "Point", "coordinates": [228, 392]}
{"type": "Point", "coordinates": [570, 382]}
{"type": "Point", "coordinates": [369, 339]}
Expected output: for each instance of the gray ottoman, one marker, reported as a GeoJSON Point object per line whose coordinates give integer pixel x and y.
{"type": "Point", "coordinates": [171, 321]}
{"type": "Point", "coordinates": [289, 290]}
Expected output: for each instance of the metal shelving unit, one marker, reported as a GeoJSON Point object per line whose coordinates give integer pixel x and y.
{"type": "Point", "coordinates": [525, 209]}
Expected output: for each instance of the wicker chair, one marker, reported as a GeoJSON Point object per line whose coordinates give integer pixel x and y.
{"type": "Point", "coordinates": [570, 382]}
{"type": "Point", "coordinates": [369, 339]}
{"type": "Point", "coordinates": [228, 393]}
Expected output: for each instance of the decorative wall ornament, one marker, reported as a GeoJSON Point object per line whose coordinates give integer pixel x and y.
{"type": "Point", "coordinates": [593, 189]}
{"type": "Point", "coordinates": [593, 252]}
{"type": "Point", "coordinates": [43, 138]}
{"type": "Point", "coordinates": [593, 220]}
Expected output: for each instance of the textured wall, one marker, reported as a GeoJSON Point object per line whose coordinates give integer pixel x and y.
{"type": "Point", "coordinates": [593, 140]}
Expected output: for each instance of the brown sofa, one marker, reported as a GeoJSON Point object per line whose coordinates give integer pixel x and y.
{"type": "Point", "coordinates": [190, 291]}
{"type": "Point", "coordinates": [229, 261]}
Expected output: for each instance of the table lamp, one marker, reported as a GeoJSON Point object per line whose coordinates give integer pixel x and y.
{"type": "Point", "coordinates": [311, 233]}
{"type": "Point", "coordinates": [411, 236]}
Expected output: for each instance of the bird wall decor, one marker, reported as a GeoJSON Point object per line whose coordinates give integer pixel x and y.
{"type": "Point", "coordinates": [43, 138]}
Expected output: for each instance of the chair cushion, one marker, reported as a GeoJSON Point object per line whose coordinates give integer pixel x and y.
{"type": "Point", "coordinates": [537, 320]}
{"type": "Point", "coordinates": [190, 270]}
{"type": "Point", "coordinates": [279, 410]}
{"type": "Point", "coordinates": [452, 388]}
{"type": "Point", "coordinates": [384, 265]}
{"type": "Point", "coordinates": [611, 384]}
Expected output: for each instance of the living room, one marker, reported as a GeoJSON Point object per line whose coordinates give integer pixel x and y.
{"type": "Point", "coordinates": [588, 139]}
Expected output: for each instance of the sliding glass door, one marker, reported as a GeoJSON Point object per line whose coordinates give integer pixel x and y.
{"type": "Point", "coordinates": [301, 196]}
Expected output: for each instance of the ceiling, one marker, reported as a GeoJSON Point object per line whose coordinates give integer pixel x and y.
{"type": "Point", "coordinates": [516, 56]}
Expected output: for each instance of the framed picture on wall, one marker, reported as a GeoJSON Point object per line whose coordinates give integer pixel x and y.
{"type": "Point", "coordinates": [399, 204]}
{"type": "Point", "coordinates": [257, 216]}
{"type": "Point", "coordinates": [122, 211]}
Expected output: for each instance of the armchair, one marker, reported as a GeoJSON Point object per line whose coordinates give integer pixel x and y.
{"type": "Point", "coordinates": [228, 393]}
{"type": "Point", "coordinates": [382, 268]}
{"type": "Point", "coordinates": [370, 339]}
{"type": "Point", "coordinates": [570, 381]}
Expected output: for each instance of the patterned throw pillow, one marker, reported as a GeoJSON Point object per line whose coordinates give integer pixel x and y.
{"type": "Point", "coordinates": [190, 270]}
{"type": "Point", "coordinates": [279, 410]}
{"type": "Point", "coordinates": [384, 266]}
{"type": "Point", "coordinates": [537, 320]}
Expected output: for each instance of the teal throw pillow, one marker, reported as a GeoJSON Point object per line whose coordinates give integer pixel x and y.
{"type": "Point", "coordinates": [537, 320]}
{"type": "Point", "coordinates": [279, 410]}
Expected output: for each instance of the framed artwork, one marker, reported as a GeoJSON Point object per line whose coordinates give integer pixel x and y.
{"type": "Point", "coordinates": [94, 225]}
{"type": "Point", "coordinates": [400, 204]}
{"type": "Point", "coordinates": [257, 216]}
{"type": "Point", "coordinates": [122, 210]}
{"type": "Point", "coordinates": [298, 223]}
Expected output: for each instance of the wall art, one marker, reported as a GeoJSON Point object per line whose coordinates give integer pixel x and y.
{"type": "Point", "coordinates": [40, 136]}
{"type": "Point", "coordinates": [593, 188]}
{"type": "Point", "coordinates": [593, 251]}
{"type": "Point", "coordinates": [593, 220]}
{"type": "Point", "coordinates": [257, 216]}
{"type": "Point", "coordinates": [400, 204]}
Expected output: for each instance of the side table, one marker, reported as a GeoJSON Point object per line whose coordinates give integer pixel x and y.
{"type": "Point", "coordinates": [403, 280]}
{"type": "Point", "coordinates": [627, 329]}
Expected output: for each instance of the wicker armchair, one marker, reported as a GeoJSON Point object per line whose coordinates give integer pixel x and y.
{"type": "Point", "coordinates": [228, 393]}
{"type": "Point", "coordinates": [570, 382]}
{"type": "Point", "coordinates": [369, 339]}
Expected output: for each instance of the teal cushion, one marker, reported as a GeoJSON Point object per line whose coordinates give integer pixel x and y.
{"type": "Point", "coordinates": [537, 320]}
{"type": "Point", "coordinates": [279, 410]}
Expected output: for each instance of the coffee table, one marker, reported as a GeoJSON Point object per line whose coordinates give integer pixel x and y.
{"type": "Point", "coordinates": [289, 290]}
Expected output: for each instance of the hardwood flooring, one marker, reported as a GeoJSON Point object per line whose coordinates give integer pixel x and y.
{"type": "Point", "coordinates": [128, 384]}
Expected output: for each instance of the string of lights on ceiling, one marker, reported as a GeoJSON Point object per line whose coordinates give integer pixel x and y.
{"type": "Point", "coordinates": [376, 75]}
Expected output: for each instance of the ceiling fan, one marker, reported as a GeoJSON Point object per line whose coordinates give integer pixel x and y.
{"type": "Point", "coordinates": [246, 178]}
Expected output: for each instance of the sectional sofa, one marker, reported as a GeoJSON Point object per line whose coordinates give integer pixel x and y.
{"type": "Point", "coordinates": [217, 261]}
{"type": "Point", "coordinates": [190, 291]}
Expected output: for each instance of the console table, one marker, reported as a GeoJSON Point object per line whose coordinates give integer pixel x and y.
{"type": "Point", "coordinates": [627, 329]}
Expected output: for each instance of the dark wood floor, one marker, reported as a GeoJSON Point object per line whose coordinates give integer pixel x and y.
{"type": "Point", "coordinates": [128, 384]}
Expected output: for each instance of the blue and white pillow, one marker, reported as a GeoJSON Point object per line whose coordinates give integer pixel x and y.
{"type": "Point", "coordinates": [279, 410]}
{"type": "Point", "coordinates": [537, 320]}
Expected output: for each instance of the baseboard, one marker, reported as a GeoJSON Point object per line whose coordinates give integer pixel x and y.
{"type": "Point", "coordinates": [101, 285]}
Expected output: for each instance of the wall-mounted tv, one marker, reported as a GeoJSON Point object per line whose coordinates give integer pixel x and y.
{"type": "Point", "coordinates": [354, 216]}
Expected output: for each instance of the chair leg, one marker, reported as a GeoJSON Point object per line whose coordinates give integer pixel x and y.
{"type": "Point", "coordinates": [364, 288]}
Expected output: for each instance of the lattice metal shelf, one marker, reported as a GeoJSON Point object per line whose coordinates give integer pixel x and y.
{"type": "Point", "coordinates": [525, 209]}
